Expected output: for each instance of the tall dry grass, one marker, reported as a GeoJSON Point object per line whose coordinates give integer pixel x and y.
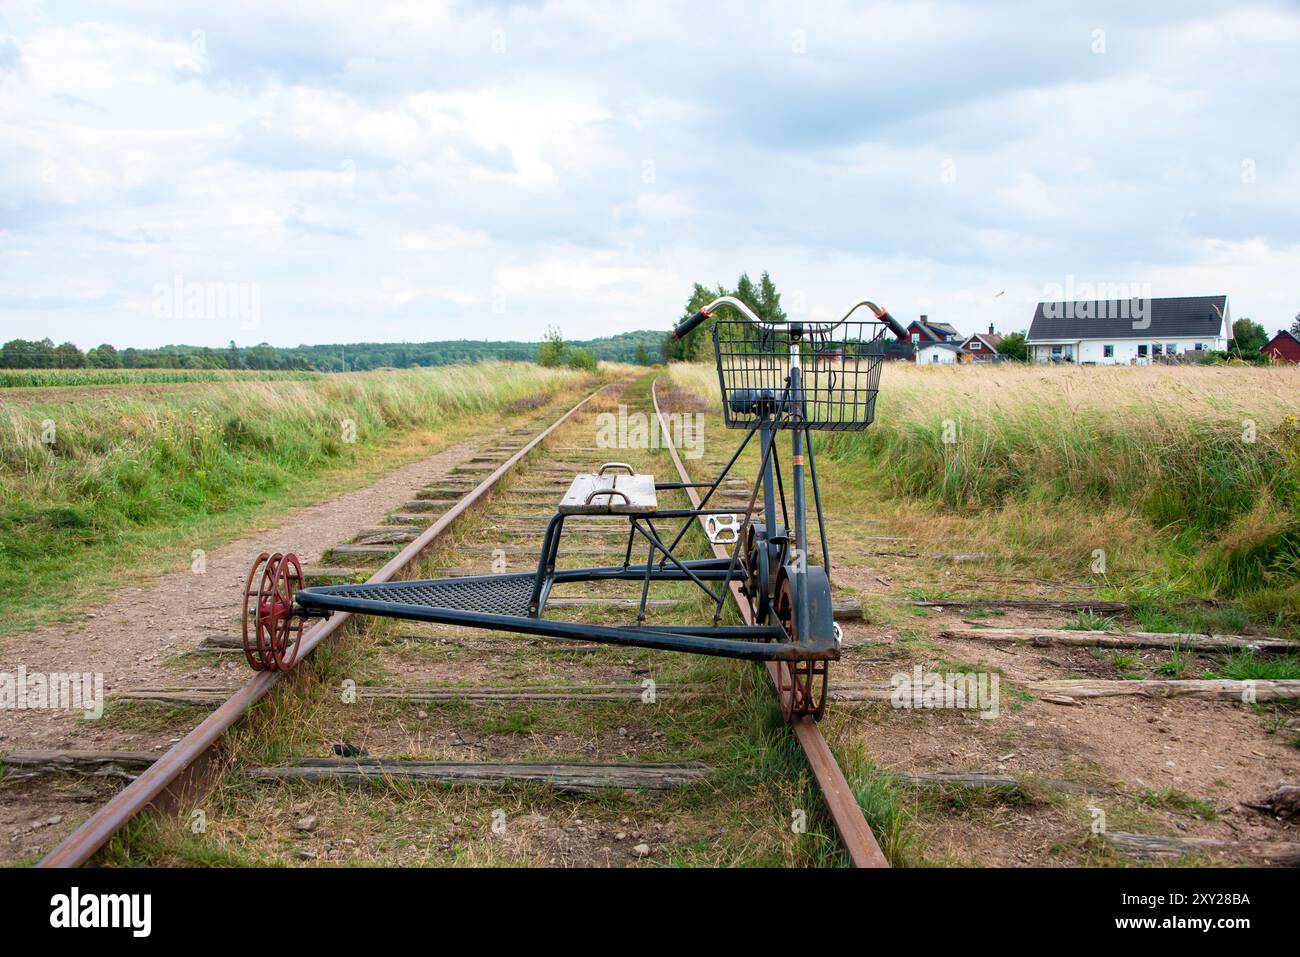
{"type": "Point", "coordinates": [1207, 457]}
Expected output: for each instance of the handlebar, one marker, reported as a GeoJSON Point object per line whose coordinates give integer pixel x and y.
{"type": "Point", "coordinates": [689, 323]}
{"type": "Point", "coordinates": [882, 315]}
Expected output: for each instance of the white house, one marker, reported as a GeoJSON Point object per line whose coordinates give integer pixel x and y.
{"type": "Point", "coordinates": [1128, 331]}
{"type": "Point", "coordinates": [940, 352]}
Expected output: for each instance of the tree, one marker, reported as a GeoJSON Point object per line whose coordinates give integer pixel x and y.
{"type": "Point", "coordinates": [68, 356]}
{"type": "Point", "coordinates": [769, 300]}
{"type": "Point", "coordinates": [642, 354]}
{"type": "Point", "coordinates": [1295, 326]}
{"type": "Point", "coordinates": [551, 350]}
{"type": "Point", "coordinates": [581, 359]}
{"type": "Point", "coordinates": [24, 354]}
{"type": "Point", "coordinates": [103, 356]}
{"type": "Point", "coordinates": [1013, 346]}
{"type": "Point", "coordinates": [747, 293]}
{"type": "Point", "coordinates": [1248, 338]}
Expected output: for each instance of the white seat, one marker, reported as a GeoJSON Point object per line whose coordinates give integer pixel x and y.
{"type": "Point", "coordinates": [610, 494]}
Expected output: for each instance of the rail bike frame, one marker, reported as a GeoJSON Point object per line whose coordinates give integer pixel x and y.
{"type": "Point", "coordinates": [662, 563]}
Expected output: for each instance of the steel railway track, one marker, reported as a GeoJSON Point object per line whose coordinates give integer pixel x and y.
{"type": "Point", "coordinates": [180, 772]}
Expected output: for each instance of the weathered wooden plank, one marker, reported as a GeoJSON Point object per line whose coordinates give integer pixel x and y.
{"type": "Point", "coordinates": [364, 551]}
{"type": "Point", "coordinates": [319, 572]}
{"type": "Point", "coordinates": [566, 548]}
{"type": "Point", "coordinates": [846, 609]}
{"type": "Point", "coordinates": [409, 518]}
{"type": "Point", "coordinates": [1029, 604]}
{"type": "Point", "coordinates": [538, 528]}
{"type": "Point", "coordinates": [937, 556]}
{"type": "Point", "coordinates": [1047, 637]}
{"type": "Point", "coordinates": [385, 535]}
{"type": "Point", "coordinates": [21, 765]}
{"type": "Point", "coordinates": [1216, 689]}
{"type": "Point", "coordinates": [425, 505]}
{"type": "Point", "coordinates": [985, 779]}
{"type": "Point", "coordinates": [1074, 690]}
{"type": "Point", "coordinates": [569, 693]}
{"type": "Point", "coordinates": [563, 777]}
{"type": "Point", "coordinates": [1152, 847]}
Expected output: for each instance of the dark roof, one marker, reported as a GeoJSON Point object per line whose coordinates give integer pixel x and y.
{"type": "Point", "coordinates": [938, 331]}
{"type": "Point", "coordinates": [1198, 316]}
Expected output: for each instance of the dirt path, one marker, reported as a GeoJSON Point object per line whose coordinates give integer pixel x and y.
{"type": "Point", "coordinates": [130, 638]}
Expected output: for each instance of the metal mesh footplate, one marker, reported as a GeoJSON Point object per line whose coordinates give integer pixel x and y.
{"type": "Point", "coordinates": [494, 595]}
{"type": "Point", "coordinates": [501, 602]}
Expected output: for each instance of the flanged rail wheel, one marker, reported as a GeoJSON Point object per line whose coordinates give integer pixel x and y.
{"type": "Point", "coordinates": [272, 629]}
{"type": "Point", "coordinates": [801, 685]}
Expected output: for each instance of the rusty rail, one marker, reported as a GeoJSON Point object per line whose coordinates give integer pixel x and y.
{"type": "Point", "coordinates": [845, 813]}
{"type": "Point", "coordinates": [176, 770]}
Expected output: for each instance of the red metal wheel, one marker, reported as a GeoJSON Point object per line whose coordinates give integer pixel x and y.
{"type": "Point", "coordinates": [285, 625]}
{"type": "Point", "coordinates": [272, 628]}
{"type": "Point", "coordinates": [252, 614]}
{"type": "Point", "coordinates": [266, 611]}
{"type": "Point", "coordinates": [800, 685]}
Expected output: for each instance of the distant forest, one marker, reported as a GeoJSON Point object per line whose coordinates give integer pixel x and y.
{"type": "Point", "coordinates": [641, 348]}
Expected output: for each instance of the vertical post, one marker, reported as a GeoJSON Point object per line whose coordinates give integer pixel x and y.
{"type": "Point", "coordinates": [769, 463]}
{"type": "Point", "coordinates": [801, 611]}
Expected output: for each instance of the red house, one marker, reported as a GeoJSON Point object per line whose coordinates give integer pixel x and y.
{"type": "Point", "coordinates": [982, 346]}
{"type": "Point", "coordinates": [1283, 347]}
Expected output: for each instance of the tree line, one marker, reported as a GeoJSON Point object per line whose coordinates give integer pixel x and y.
{"type": "Point", "coordinates": [630, 347]}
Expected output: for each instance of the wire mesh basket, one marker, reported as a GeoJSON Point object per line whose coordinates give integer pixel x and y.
{"type": "Point", "coordinates": [839, 370]}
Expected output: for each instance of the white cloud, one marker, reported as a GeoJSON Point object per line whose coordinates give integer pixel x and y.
{"type": "Point", "coordinates": [581, 164]}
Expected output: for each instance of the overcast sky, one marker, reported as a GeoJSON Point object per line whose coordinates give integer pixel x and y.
{"type": "Point", "coordinates": [413, 171]}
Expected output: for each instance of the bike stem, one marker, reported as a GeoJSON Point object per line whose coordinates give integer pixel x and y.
{"type": "Point", "coordinates": [801, 610]}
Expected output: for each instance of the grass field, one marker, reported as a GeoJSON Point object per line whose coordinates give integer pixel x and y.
{"type": "Point", "coordinates": [1187, 478]}
{"type": "Point", "coordinates": [93, 487]}
{"type": "Point", "coordinates": [67, 378]}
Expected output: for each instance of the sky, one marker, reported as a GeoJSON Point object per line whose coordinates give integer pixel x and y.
{"type": "Point", "coordinates": [317, 172]}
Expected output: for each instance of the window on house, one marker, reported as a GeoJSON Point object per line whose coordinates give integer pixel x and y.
{"type": "Point", "coordinates": [1108, 352]}
{"type": "Point", "coordinates": [1142, 351]}
{"type": "Point", "coordinates": [916, 337]}
{"type": "Point", "coordinates": [975, 345]}
{"type": "Point", "coordinates": [1200, 347]}
{"type": "Point", "coordinates": [1171, 348]}
{"type": "Point", "coordinates": [1156, 349]}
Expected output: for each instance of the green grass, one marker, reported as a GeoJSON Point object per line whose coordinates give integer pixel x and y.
{"type": "Point", "coordinates": [1244, 665]}
{"type": "Point", "coordinates": [133, 481]}
{"type": "Point", "coordinates": [1089, 620]}
{"type": "Point", "coordinates": [1176, 667]}
{"type": "Point", "coordinates": [1173, 800]}
{"type": "Point", "coordinates": [1167, 616]}
{"type": "Point", "coordinates": [1126, 665]}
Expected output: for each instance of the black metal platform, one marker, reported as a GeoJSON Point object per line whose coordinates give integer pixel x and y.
{"type": "Point", "coordinates": [501, 602]}
{"type": "Point", "coordinates": [498, 594]}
